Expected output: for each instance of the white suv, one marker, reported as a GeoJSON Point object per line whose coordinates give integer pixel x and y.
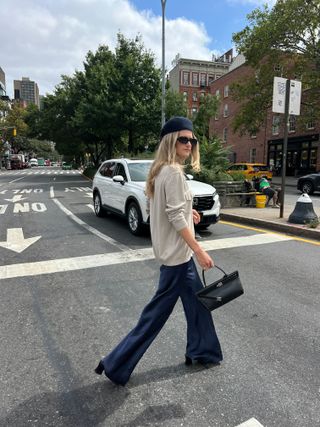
{"type": "Point", "coordinates": [118, 187]}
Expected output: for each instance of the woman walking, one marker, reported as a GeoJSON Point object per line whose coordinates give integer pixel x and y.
{"type": "Point", "coordinates": [172, 232]}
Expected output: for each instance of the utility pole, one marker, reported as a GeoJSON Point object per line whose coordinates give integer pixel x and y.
{"type": "Point", "coordinates": [163, 4]}
{"type": "Point", "coordinates": [285, 146]}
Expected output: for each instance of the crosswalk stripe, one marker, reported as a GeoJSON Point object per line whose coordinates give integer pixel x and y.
{"type": "Point", "coordinates": [250, 423]}
{"type": "Point", "coordinates": [138, 255]}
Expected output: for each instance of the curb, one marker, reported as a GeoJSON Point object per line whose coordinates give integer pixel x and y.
{"type": "Point", "coordinates": [271, 225]}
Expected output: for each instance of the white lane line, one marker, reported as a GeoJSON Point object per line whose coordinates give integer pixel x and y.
{"type": "Point", "coordinates": [255, 239]}
{"type": "Point", "coordinates": [18, 179]}
{"type": "Point", "coordinates": [250, 423]}
{"type": "Point", "coordinates": [92, 230]}
{"type": "Point", "coordinates": [100, 260]}
{"type": "Point", "coordinates": [72, 264]}
{"type": "Point", "coordinates": [51, 192]}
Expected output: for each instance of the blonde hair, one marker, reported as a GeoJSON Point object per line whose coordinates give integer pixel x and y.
{"type": "Point", "coordinates": [167, 155]}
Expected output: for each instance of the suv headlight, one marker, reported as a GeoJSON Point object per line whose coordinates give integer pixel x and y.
{"type": "Point", "coordinates": [214, 194]}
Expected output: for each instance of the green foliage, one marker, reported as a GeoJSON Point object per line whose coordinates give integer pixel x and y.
{"type": "Point", "coordinates": [214, 161]}
{"type": "Point", "coordinates": [286, 36]}
{"type": "Point", "coordinates": [175, 104]}
{"type": "Point", "coordinates": [113, 105]}
{"type": "Point", "coordinates": [207, 109]}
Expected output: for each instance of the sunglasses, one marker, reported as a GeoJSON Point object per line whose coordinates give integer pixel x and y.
{"type": "Point", "coordinates": [185, 140]}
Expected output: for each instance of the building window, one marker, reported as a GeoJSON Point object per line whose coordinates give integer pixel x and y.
{"type": "Point", "coordinates": [292, 123]}
{"type": "Point", "coordinates": [253, 154]}
{"type": "Point", "coordinates": [211, 79]}
{"type": "Point", "coordinates": [218, 93]}
{"type": "Point", "coordinates": [185, 96]}
{"type": "Point", "coordinates": [275, 125]}
{"type": "Point", "coordinates": [195, 97]}
{"type": "Point", "coordinates": [185, 78]}
{"type": "Point", "coordinates": [194, 111]}
{"type": "Point", "coordinates": [225, 110]}
{"type": "Point", "coordinates": [253, 135]}
{"type": "Point", "coordinates": [225, 134]}
{"type": "Point", "coordinates": [278, 69]}
{"type": "Point", "coordinates": [226, 91]}
{"type": "Point", "coordinates": [202, 95]}
{"type": "Point", "coordinates": [203, 80]}
{"type": "Point", "coordinates": [195, 79]}
{"type": "Point", "coordinates": [310, 123]}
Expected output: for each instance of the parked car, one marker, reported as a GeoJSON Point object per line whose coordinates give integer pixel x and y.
{"type": "Point", "coordinates": [251, 170]}
{"type": "Point", "coordinates": [66, 166]}
{"type": "Point", "coordinates": [309, 183]}
{"type": "Point", "coordinates": [118, 187]}
{"type": "Point", "coordinates": [33, 162]}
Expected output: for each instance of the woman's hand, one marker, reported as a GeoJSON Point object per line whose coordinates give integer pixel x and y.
{"type": "Point", "coordinates": [196, 216]}
{"type": "Point", "coordinates": [204, 259]}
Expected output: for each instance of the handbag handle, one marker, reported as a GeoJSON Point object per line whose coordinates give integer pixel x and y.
{"type": "Point", "coordinates": [204, 279]}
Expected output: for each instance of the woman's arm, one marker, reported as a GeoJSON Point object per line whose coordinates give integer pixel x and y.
{"type": "Point", "coordinates": [203, 258]}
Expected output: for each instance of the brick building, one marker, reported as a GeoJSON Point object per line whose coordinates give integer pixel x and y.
{"type": "Point", "coordinates": [193, 77]}
{"type": "Point", "coordinates": [303, 153]}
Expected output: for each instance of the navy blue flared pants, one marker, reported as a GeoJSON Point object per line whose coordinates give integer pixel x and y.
{"type": "Point", "coordinates": [202, 341]}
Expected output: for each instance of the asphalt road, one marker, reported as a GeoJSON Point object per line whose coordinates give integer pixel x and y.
{"type": "Point", "coordinates": [80, 285]}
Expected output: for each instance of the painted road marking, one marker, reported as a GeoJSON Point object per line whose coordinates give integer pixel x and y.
{"type": "Point", "coordinates": [16, 241]}
{"type": "Point", "coordinates": [92, 230]}
{"type": "Point", "coordinates": [250, 423]}
{"type": "Point", "coordinates": [101, 260]}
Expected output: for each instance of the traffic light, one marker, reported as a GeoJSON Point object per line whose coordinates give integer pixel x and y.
{"type": "Point", "coordinates": [14, 132]}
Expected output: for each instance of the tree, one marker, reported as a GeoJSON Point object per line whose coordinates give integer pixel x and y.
{"type": "Point", "coordinates": [207, 109]}
{"type": "Point", "coordinates": [175, 104]}
{"type": "Point", "coordinates": [138, 92]}
{"type": "Point", "coordinates": [286, 36]}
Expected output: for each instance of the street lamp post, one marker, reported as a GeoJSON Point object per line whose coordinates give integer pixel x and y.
{"type": "Point", "coordinates": [163, 4]}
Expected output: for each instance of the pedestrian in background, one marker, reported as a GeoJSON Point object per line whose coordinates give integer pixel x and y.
{"type": "Point", "coordinates": [172, 232]}
{"type": "Point", "coordinates": [271, 193]}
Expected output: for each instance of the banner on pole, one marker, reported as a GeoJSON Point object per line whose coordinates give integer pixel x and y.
{"type": "Point", "coordinates": [295, 97]}
{"type": "Point", "coordinates": [279, 96]}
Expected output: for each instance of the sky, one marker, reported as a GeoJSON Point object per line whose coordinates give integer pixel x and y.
{"type": "Point", "coordinates": [43, 39]}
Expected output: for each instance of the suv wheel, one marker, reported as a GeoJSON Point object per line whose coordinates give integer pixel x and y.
{"type": "Point", "coordinates": [134, 219]}
{"type": "Point", "coordinates": [98, 209]}
{"type": "Point", "coordinates": [307, 187]}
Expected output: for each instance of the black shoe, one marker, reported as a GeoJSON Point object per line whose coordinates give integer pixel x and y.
{"type": "Point", "coordinates": [99, 369]}
{"type": "Point", "coordinates": [206, 365]}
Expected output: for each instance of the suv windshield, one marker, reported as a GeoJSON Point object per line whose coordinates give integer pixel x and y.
{"type": "Point", "coordinates": [139, 171]}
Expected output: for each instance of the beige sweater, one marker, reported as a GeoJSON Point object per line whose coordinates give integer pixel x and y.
{"type": "Point", "coordinates": [170, 212]}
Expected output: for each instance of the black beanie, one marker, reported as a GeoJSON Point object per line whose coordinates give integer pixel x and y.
{"type": "Point", "coordinates": [175, 125]}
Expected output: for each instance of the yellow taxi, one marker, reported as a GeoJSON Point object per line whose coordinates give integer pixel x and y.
{"type": "Point", "coordinates": [250, 170]}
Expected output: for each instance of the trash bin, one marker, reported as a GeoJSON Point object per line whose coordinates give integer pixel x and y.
{"type": "Point", "coordinates": [261, 200]}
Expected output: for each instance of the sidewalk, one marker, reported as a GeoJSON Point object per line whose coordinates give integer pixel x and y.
{"type": "Point", "coordinates": [269, 218]}
{"type": "Point", "coordinates": [291, 181]}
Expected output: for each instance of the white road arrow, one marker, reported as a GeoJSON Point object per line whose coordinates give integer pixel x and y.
{"type": "Point", "coordinates": [15, 199]}
{"type": "Point", "coordinates": [16, 241]}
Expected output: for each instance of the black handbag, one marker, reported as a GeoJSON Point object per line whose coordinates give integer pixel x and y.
{"type": "Point", "coordinates": [220, 292]}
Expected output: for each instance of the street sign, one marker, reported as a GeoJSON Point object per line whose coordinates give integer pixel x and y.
{"type": "Point", "coordinates": [279, 95]}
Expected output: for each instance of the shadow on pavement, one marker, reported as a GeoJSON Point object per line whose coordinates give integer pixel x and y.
{"type": "Point", "coordinates": [82, 407]}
